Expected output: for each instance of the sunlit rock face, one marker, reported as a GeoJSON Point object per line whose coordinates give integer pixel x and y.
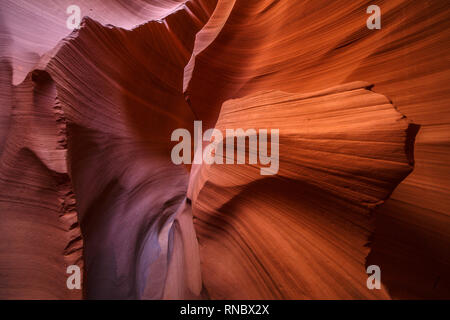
{"type": "Point", "coordinates": [87, 178]}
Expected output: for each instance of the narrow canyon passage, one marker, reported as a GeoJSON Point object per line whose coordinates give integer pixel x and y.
{"type": "Point", "coordinates": [87, 178]}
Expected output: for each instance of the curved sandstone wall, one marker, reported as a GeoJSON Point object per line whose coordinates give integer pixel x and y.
{"type": "Point", "coordinates": [87, 179]}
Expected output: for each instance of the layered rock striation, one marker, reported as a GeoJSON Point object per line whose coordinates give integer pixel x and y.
{"type": "Point", "coordinates": [87, 179]}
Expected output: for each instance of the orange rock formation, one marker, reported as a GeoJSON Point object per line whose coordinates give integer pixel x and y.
{"type": "Point", "coordinates": [86, 176]}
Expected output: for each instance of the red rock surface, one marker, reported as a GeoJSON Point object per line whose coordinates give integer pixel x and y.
{"type": "Point", "coordinates": [86, 176]}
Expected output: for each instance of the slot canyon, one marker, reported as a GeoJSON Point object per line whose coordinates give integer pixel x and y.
{"type": "Point", "coordinates": [87, 179]}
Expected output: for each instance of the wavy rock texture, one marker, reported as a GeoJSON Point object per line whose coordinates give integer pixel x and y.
{"type": "Point", "coordinates": [86, 176]}
{"type": "Point", "coordinates": [137, 229]}
{"type": "Point", "coordinates": [309, 45]}
{"type": "Point", "coordinates": [314, 212]}
{"type": "Point", "coordinates": [39, 228]}
{"type": "Point", "coordinates": [30, 29]}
